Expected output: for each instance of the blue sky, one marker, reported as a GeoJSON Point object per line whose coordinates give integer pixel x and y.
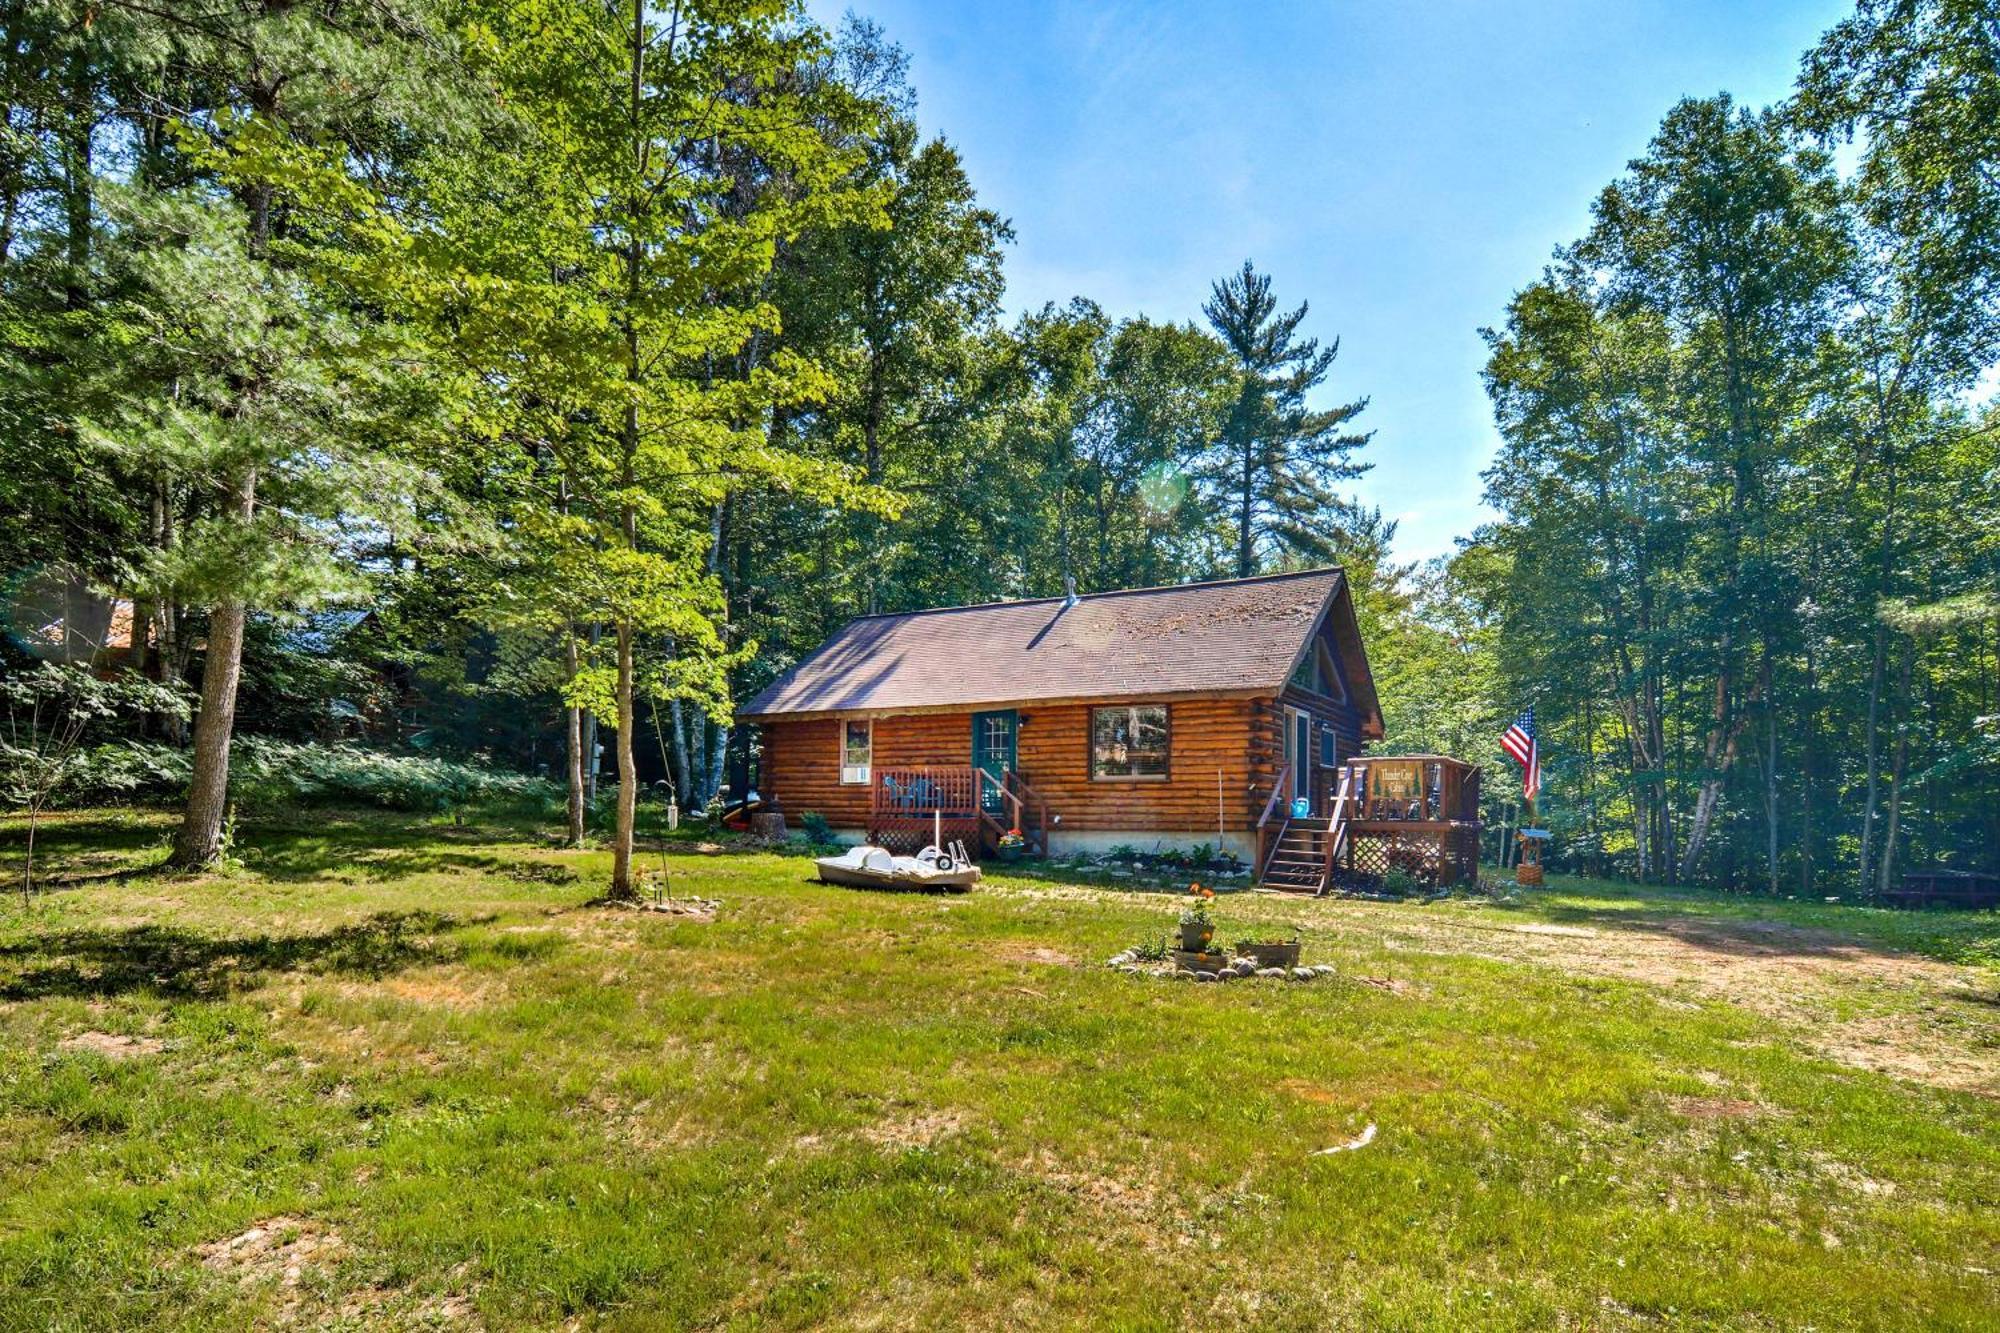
{"type": "Point", "coordinates": [1404, 167]}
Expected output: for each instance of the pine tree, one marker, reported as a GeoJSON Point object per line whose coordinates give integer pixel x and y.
{"type": "Point", "coordinates": [1278, 458]}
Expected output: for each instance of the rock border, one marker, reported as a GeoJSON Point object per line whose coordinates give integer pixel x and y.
{"type": "Point", "coordinates": [1237, 969]}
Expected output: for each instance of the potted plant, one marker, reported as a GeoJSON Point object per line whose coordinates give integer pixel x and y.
{"type": "Point", "coordinates": [1012, 843]}
{"type": "Point", "coordinates": [1197, 926]}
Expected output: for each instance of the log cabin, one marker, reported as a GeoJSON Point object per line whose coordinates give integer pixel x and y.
{"type": "Point", "coordinates": [1225, 713]}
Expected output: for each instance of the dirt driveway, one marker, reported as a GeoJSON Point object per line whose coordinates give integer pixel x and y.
{"type": "Point", "coordinates": [1852, 1000]}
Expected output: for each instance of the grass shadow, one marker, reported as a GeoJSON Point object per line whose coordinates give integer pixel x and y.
{"type": "Point", "coordinates": [184, 964]}
{"type": "Point", "coordinates": [1739, 927]}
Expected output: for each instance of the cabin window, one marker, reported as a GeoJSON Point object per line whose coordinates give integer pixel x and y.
{"type": "Point", "coordinates": [857, 746]}
{"type": "Point", "coordinates": [1330, 682]}
{"type": "Point", "coordinates": [1329, 745]}
{"type": "Point", "coordinates": [1318, 673]}
{"type": "Point", "coordinates": [1129, 742]}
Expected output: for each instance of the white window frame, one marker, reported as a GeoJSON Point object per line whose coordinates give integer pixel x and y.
{"type": "Point", "coordinates": [855, 775]}
{"type": "Point", "coordinates": [1299, 757]}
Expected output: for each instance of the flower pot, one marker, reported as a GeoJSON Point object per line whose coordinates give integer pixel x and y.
{"type": "Point", "coordinates": [1008, 855]}
{"type": "Point", "coordinates": [1194, 939]}
{"type": "Point", "coordinates": [1275, 954]}
{"type": "Point", "coordinates": [1194, 960]}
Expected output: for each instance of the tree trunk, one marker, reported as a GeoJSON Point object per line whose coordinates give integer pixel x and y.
{"type": "Point", "coordinates": [622, 887]}
{"type": "Point", "coordinates": [1770, 779]}
{"type": "Point", "coordinates": [572, 746]}
{"type": "Point", "coordinates": [199, 841]}
{"type": "Point", "coordinates": [1808, 764]}
{"type": "Point", "coordinates": [718, 758]}
{"type": "Point", "coordinates": [1244, 567]}
{"type": "Point", "coordinates": [590, 745]}
{"type": "Point", "coordinates": [1642, 795]}
{"type": "Point", "coordinates": [1724, 737]}
{"type": "Point", "coordinates": [1872, 759]}
{"type": "Point", "coordinates": [1885, 563]}
{"type": "Point", "coordinates": [79, 179]}
{"type": "Point", "coordinates": [684, 782]}
{"type": "Point", "coordinates": [1897, 765]}
{"type": "Point", "coordinates": [871, 434]}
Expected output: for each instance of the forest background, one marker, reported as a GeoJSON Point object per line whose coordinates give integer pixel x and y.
{"type": "Point", "coordinates": [496, 385]}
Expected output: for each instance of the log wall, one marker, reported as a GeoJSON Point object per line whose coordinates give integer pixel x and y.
{"type": "Point", "coordinates": [1243, 738]}
{"type": "Point", "coordinates": [801, 766]}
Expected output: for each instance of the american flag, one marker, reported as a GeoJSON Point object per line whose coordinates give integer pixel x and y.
{"type": "Point", "coordinates": [1519, 741]}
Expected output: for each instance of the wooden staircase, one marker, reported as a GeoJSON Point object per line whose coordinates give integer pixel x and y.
{"type": "Point", "coordinates": [1019, 806]}
{"type": "Point", "coordinates": [1298, 859]}
{"type": "Point", "coordinates": [1302, 858]}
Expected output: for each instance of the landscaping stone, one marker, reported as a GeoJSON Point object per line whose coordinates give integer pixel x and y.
{"type": "Point", "coordinates": [1182, 965]}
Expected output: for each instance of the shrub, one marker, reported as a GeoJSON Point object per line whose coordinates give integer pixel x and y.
{"type": "Point", "coordinates": [1399, 882]}
{"type": "Point", "coordinates": [818, 831]}
{"type": "Point", "coordinates": [49, 712]}
{"type": "Point", "coordinates": [286, 773]}
{"type": "Point", "coordinates": [280, 771]}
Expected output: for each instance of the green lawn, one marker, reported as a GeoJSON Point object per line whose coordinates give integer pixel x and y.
{"type": "Point", "coordinates": [391, 1074]}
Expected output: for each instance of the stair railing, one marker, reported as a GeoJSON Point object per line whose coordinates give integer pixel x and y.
{"type": "Point", "coordinates": [1030, 800]}
{"type": "Point", "coordinates": [1336, 832]}
{"type": "Point", "coordinates": [1009, 801]}
{"type": "Point", "coordinates": [1267, 847]}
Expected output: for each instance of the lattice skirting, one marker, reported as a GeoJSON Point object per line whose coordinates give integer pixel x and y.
{"type": "Point", "coordinates": [907, 837]}
{"type": "Point", "coordinates": [1429, 857]}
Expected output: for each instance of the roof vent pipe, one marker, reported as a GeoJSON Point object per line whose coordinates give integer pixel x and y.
{"type": "Point", "coordinates": [1069, 591]}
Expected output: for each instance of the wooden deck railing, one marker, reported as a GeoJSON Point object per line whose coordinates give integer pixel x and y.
{"type": "Point", "coordinates": [960, 801]}
{"type": "Point", "coordinates": [910, 807]}
{"type": "Point", "coordinates": [1352, 776]}
{"type": "Point", "coordinates": [921, 791]}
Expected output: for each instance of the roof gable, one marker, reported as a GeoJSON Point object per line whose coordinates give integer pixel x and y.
{"type": "Point", "coordinates": [1240, 636]}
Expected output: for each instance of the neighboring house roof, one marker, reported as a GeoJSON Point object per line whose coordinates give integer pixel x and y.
{"type": "Point", "coordinates": [321, 631]}
{"type": "Point", "coordinates": [1239, 637]}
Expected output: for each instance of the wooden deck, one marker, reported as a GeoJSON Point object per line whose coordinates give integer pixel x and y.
{"type": "Point", "coordinates": [913, 806]}
{"type": "Point", "coordinates": [1415, 815]}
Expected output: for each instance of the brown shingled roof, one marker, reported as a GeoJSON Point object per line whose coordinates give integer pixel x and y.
{"type": "Point", "coordinates": [1237, 637]}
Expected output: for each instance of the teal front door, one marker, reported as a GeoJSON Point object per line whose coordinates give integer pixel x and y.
{"type": "Point", "coordinates": [993, 737]}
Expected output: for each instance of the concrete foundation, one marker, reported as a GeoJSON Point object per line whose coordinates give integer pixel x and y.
{"type": "Point", "coordinates": [1064, 842]}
